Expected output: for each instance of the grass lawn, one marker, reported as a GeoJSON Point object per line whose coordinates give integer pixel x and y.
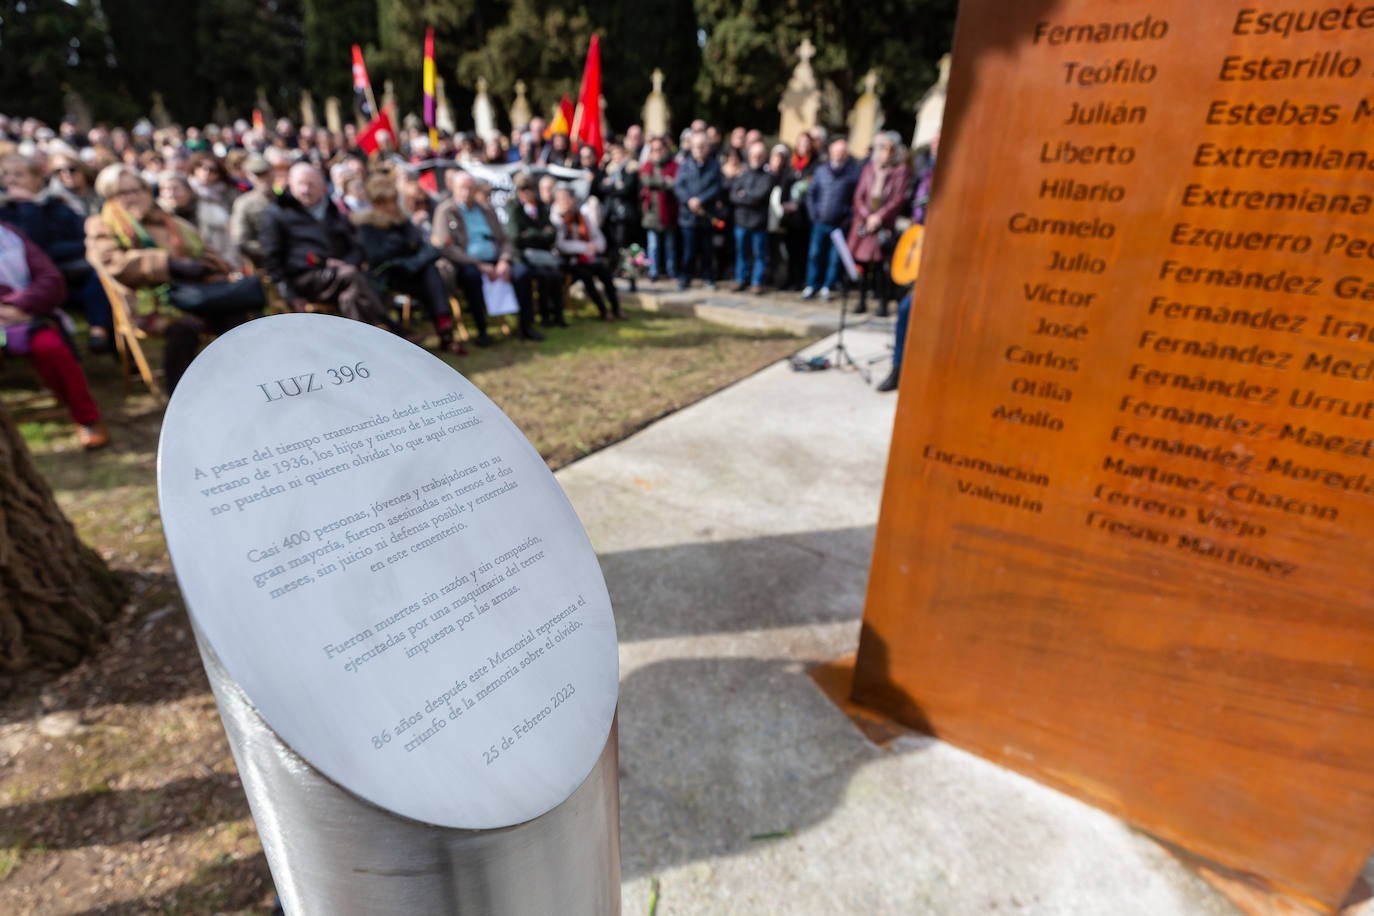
{"type": "Point", "coordinates": [117, 791]}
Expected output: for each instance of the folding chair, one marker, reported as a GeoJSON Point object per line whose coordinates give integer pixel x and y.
{"type": "Point", "coordinates": [128, 335]}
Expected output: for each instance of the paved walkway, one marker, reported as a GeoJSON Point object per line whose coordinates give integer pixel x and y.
{"type": "Point", "coordinates": [735, 536]}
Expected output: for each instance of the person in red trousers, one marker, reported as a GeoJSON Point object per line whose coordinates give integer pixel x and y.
{"type": "Point", "coordinates": [31, 290]}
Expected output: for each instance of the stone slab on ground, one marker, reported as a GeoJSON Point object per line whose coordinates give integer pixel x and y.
{"type": "Point", "coordinates": [771, 311]}
{"type": "Point", "coordinates": [735, 536]}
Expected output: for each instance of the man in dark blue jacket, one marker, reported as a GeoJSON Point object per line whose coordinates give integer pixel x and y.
{"type": "Point", "coordinates": [829, 203]}
{"type": "Point", "coordinates": [698, 184]}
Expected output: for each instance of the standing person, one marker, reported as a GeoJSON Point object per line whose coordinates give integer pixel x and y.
{"type": "Point", "coordinates": [777, 231]}
{"type": "Point", "coordinates": [919, 210]}
{"type": "Point", "coordinates": [475, 248]}
{"type": "Point", "coordinates": [882, 192]}
{"type": "Point", "coordinates": [31, 290]}
{"type": "Point", "coordinates": [829, 202]}
{"type": "Point", "coordinates": [658, 206]}
{"type": "Point", "coordinates": [618, 189]}
{"type": "Point", "coordinates": [795, 221]}
{"type": "Point", "coordinates": [699, 184]}
{"type": "Point", "coordinates": [749, 194]}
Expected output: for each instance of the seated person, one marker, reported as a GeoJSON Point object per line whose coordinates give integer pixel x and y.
{"type": "Point", "coordinates": [401, 259]}
{"type": "Point", "coordinates": [311, 254]}
{"type": "Point", "coordinates": [534, 236]}
{"type": "Point", "coordinates": [178, 197]}
{"type": "Point", "coordinates": [581, 243]}
{"type": "Point", "coordinates": [245, 219]}
{"type": "Point", "coordinates": [476, 248]}
{"type": "Point", "coordinates": [31, 290]}
{"type": "Point", "coordinates": [71, 179]}
{"type": "Point", "coordinates": [47, 220]}
{"type": "Point", "coordinates": [162, 257]}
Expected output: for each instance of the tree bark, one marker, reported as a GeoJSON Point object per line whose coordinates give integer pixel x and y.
{"type": "Point", "coordinates": [56, 594]}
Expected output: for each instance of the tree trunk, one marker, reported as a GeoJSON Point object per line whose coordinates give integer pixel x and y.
{"type": "Point", "coordinates": [55, 592]}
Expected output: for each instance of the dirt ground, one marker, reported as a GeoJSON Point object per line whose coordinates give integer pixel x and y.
{"type": "Point", "coordinates": [117, 791]}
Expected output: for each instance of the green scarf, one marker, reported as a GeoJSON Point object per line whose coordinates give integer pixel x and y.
{"type": "Point", "coordinates": [183, 242]}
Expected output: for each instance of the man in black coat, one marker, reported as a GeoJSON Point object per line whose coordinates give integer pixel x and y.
{"type": "Point", "coordinates": [749, 192]}
{"type": "Point", "coordinates": [311, 253]}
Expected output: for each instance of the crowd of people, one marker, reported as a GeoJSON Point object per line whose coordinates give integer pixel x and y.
{"type": "Point", "coordinates": [209, 225]}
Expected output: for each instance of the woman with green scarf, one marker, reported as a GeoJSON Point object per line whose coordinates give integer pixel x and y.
{"type": "Point", "coordinates": [150, 251]}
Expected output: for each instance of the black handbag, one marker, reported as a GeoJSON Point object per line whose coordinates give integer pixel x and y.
{"type": "Point", "coordinates": [225, 297]}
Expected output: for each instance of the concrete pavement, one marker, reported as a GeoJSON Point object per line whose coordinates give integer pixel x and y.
{"type": "Point", "coordinates": [735, 536]}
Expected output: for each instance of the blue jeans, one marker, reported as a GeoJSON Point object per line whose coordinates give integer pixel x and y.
{"type": "Point", "coordinates": [662, 244]}
{"type": "Point", "coordinates": [821, 248]}
{"type": "Point", "coordinates": [903, 317]}
{"type": "Point", "coordinates": [696, 247]}
{"type": "Point", "coordinates": [747, 242]}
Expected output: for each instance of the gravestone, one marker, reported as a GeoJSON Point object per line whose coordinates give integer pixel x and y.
{"type": "Point", "coordinates": [269, 114]}
{"type": "Point", "coordinates": [930, 112]}
{"type": "Point", "coordinates": [866, 118]}
{"type": "Point", "coordinates": [308, 118]}
{"type": "Point", "coordinates": [75, 109]}
{"type": "Point", "coordinates": [385, 571]}
{"type": "Point", "coordinates": [333, 116]}
{"type": "Point", "coordinates": [161, 117]}
{"type": "Point", "coordinates": [1123, 541]}
{"type": "Point", "coordinates": [443, 111]}
{"type": "Point", "coordinates": [520, 108]}
{"type": "Point", "coordinates": [656, 115]}
{"type": "Point", "coordinates": [389, 99]}
{"type": "Point", "coordinates": [483, 115]}
{"type": "Point", "coordinates": [801, 100]}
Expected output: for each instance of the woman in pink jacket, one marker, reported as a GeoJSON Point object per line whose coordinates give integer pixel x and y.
{"type": "Point", "coordinates": [31, 290]}
{"type": "Point", "coordinates": [881, 196]}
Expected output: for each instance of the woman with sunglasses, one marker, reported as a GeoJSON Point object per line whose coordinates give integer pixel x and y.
{"type": "Point", "coordinates": [69, 177]}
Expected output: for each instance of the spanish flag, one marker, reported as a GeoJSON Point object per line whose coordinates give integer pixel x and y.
{"type": "Point", "coordinates": [427, 79]}
{"type": "Point", "coordinates": [562, 120]}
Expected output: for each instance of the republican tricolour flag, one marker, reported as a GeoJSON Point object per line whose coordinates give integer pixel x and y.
{"type": "Point", "coordinates": [427, 78]}
{"type": "Point", "coordinates": [362, 87]}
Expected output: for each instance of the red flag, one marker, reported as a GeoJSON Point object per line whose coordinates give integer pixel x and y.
{"type": "Point", "coordinates": [371, 136]}
{"type": "Point", "coordinates": [362, 86]}
{"type": "Point", "coordinates": [587, 121]}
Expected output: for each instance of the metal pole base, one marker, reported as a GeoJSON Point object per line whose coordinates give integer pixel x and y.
{"type": "Point", "coordinates": [333, 853]}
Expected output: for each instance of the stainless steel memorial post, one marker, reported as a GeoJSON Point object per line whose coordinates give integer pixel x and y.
{"type": "Point", "coordinates": [404, 624]}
